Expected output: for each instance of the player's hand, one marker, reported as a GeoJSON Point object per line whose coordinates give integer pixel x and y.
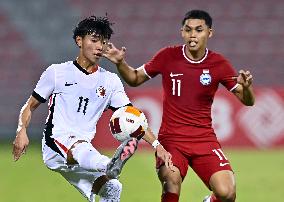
{"type": "Point", "coordinates": [165, 156]}
{"type": "Point", "coordinates": [244, 78]}
{"type": "Point", "coordinates": [113, 54]}
{"type": "Point", "coordinates": [20, 143]}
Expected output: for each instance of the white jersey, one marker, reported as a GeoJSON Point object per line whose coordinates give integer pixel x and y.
{"type": "Point", "coordinates": [77, 99]}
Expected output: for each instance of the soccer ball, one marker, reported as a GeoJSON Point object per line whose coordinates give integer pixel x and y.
{"type": "Point", "coordinates": [128, 122]}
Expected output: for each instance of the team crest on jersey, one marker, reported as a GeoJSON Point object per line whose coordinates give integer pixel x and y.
{"type": "Point", "coordinates": [205, 78]}
{"type": "Point", "coordinates": [101, 91]}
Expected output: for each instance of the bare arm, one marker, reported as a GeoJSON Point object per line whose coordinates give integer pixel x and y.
{"type": "Point", "coordinates": [244, 91]}
{"type": "Point", "coordinates": [161, 152]}
{"type": "Point", "coordinates": [132, 76]}
{"type": "Point", "coordinates": [21, 141]}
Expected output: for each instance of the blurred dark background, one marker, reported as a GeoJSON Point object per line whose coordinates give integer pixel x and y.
{"type": "Point", "coordinates": [37, 33]}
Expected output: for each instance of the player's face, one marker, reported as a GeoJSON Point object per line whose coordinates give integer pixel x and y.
{"type": "Point", "coordinates": [195, 34]}
{"type": "Point", "coordinates": [92, 47]}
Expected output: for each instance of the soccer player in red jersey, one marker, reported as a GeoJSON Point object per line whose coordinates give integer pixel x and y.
{"type": "Point", "coordinates": [190, 76]}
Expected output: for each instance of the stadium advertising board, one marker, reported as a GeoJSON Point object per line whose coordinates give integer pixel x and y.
{"type": "Point", "coordinates": [260, 126]}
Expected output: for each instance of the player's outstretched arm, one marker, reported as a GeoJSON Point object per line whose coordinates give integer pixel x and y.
{"type": "Point", "coordinates": [21, 141]}
{"type": "Point", "coordinates": [244, 91]}
{"type": "Point", "coordinates": [161, 152]}
{"type": "Point", "coordinates": [132, 76]}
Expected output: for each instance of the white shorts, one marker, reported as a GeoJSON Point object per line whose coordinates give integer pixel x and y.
{"type": "Point", "coordinates": [80, 178]}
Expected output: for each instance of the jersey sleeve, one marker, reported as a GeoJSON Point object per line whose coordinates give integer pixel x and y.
{"type": "Point", "coordinates": [154, 67]}
{"type": "Point", "coordinates": [45, 86]}
{"type": "Point", "coordinates": [228, 72]}
{"type": "Point", "coordinates": [119, 97]}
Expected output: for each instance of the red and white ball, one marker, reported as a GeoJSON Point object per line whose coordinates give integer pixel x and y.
{"type": "Point", "coordinates": [128, 122]}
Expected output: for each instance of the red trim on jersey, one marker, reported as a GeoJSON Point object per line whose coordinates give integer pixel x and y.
{"type": "Point", "coordinates": [49, 105]}
{"type": "Point", "coordinates": [50, 101]}
{"type": "Point", "coordinates": [94, 69]}
{"type": "Point", "coordinates": [61, 146]}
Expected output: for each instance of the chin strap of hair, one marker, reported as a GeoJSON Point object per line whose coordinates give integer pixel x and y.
{"type": "Point", "coordinates": [155, 144]}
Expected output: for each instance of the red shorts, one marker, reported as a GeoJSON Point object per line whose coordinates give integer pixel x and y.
{"type": "Point", "coordinates": [205, 158]}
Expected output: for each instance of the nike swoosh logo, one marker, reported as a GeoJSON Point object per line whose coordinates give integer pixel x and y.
{"type": "Point", "coordinates": [69, 84]}
{"type": "Point", "coordinates": [223, 164]}
{"type": "Point", "coordinates": [172, 75]}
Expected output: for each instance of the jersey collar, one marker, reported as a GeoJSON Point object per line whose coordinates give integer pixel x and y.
{"type": "Point", "coordinates": [83, 70]}
{"type": "Point", "coordinates": [194, 61]}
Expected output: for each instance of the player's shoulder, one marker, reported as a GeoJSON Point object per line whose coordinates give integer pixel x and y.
{"type": "Point", "coordinates": [63, 65]}
{"type": "Point", "coordinates": [111, 78]}
{"type": "Point", "coordinates": [215, 54]}
{"type": "Point", "coordinates": [217, 57]}
{"type": "Point", "coordinates": [172, 48]}
{"type": "Point", "coordinates": [109, 75]}
{"type": "Point", "coordinates": [103, 71]}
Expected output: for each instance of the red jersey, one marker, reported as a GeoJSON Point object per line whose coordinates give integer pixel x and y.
{"type": "Point", "coordinates": [188, 91]}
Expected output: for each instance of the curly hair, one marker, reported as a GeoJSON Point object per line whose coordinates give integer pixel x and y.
{"type": "Point", "coordinates": [99, 25]}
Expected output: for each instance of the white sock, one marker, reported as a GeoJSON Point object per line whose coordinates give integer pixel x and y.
{"type": "Point", "coordinates": [92, 197]}
{"type": "Point", "coordinates": [110, 191]}
{"type": "Point", "coordinates": [89, 158]}
{"type": "Point", "coordinates": [207, 199]}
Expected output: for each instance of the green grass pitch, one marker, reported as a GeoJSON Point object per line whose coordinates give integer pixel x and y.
{"type": "Point", "coordinates": [260, 178]}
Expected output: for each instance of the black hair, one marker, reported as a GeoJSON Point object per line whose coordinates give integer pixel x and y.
{"type": "Point", "coordinates": [99, 25]}
{"type": "Point", "coordinates": [198, 14]}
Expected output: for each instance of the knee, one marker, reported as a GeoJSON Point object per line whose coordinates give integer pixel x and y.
{"type": "Point", "coordinates": [171, 182]}
{"type": "Point", "coordinates": [223, 186]}
{"type": "Point", "coordinates": [111, 190]}
{"type": "Point", "coordinates": [226, 193]}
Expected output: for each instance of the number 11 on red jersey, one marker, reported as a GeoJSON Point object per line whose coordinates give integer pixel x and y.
{"type": "Point", "coordinates": [176, 86]}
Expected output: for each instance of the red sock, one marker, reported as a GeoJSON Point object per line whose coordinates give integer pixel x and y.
{"type": "Point", "coordinates": [170, 197]}
{"type": "Point", "coordinates": [214, 199]}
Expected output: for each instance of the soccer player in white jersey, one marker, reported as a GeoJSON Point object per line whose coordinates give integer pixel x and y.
{"type": "Point", "coordinates": [79, 92]}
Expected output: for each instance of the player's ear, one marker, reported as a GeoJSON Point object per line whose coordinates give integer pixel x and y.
{"type": "Point", "coordinates": [79, 41]}
{"type": "Point", "coordinates": [210, 32]}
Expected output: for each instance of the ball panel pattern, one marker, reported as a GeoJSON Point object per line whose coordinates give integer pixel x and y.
{"type": "Point", "coordinates": [128, 122]}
